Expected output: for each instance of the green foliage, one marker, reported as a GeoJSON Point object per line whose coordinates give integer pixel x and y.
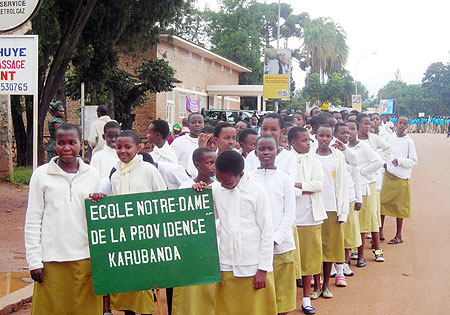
{"type": "Point", "coordinates": [21, 176]}
{"type": "Point", "coordinates": [436, 85]}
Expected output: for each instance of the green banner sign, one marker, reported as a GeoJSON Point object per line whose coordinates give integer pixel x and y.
{"type": "Point", "coordinates": [152, 240]}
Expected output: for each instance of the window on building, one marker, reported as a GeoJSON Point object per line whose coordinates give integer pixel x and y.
{"type": "Point", "coordinates": [170, 113]}
{"type": "Point", "coordinates": [182, 105]}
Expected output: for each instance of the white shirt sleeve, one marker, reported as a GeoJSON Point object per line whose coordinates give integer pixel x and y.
{"type": "Point", "coordinates": [289, 205]}
{"type": "Point", "coordinates": [264, 221]}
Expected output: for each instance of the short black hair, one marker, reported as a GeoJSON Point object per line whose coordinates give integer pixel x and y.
{"type": "Point", "coordinates": [112, 124]}
{"type": "Point", "coordinates": [198, 153]}
{"type": "Point", "coordinates": [275, 116]}
{"type": "Point", "coordinates": [314, 122]}
{"type": "Point", "coordinates": [245, 133]}
{"type": "Point", "coordinates": [208, 129]}
{"type": "Point", "coordinates": [146, 157]}
{"type": "Point", "coordinates": [354, 121]}
{"type": "Point", "coordinates": [361, 116]}
{"type": "Point", "coordinates": [162, 127]}
{"type": "Point", "coordinates": [293, 133]}
{"type": "Point", "coordinates": [245, 122]}
{"type": "Point", "coordinates": [69, 126]}
{"type": "Point", "coordinates": [301, 114]}
{"type": "Point", "coordinates": [193, 114]}
{"type": "Point", "coordinates": [325, 126]}
{"type": "Point", "coordinates": [324, 116]}
{"type": "Point", "coordinates": [312, 109]}
{"type": "Point", "coordinates": [218, 128]}
{"type": "Point", "coordinates": [339, 124]}
{"type": "Point", "coordinates": [267, 137]}
{"type": "Point", "coordinates": [102, 110]}
{"type": "Point", "coordinates": [231, 162]}
{"type": "Point", "coordinates": [288, 118]}
{"type": "Point", "coordinates": [132, 134]}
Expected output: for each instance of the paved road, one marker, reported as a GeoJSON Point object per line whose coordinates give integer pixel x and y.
{"type": "Point", "coordinates": [415, 279]}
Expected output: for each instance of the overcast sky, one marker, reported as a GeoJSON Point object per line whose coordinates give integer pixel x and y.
{"type": "Point", "coordinates": [406, 35]}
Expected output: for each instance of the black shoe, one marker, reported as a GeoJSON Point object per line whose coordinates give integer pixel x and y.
{"type": "Point", "coordinates": [299, 283]}
{"type": "Point", "coordinates": [308, 310]}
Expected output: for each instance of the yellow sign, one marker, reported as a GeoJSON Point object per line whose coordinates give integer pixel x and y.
{"type": "Point", "coordinates": [276, 86]}
{"type": "Point", "coordinates": [356, 102]}
{"type": "Point", "coordinates": [324, 106]}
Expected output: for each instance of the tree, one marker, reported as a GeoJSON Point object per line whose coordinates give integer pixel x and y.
{"type": "Point", "coordinates": [313, 89]}
{"type": "Point", "coordinates": [69, 35]}
{"type": "Point", "coordinates": [333, 90]}
{"type": "Point", "coordinates": [436, 85]}
{"type": "Point", "coordinates": [324, 50]}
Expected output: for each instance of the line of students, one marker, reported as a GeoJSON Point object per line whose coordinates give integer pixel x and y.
{"type": "Point", "coordinates": [283, 215]}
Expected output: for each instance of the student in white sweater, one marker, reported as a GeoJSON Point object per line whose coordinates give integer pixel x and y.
{"type": "Point", "coordinates": [95, 139]}
{"type": "Point", "coordinates": [183, 146]}
{"type": "Point", "coordinates": [133, 175]}
{"type": "Point", "coordinates": [369, 164]}
{"type": "Point", "coordinates": [107, 158]}
{"type": "Point", "coordinates": [396, 194]}
{"type": "Point", "coordinates": [335, 200]}
{"type": "Point", "coordinates": [280, 190]}
{"type": "Point", "coordinates": [56, 239]}
{"type": "Point", "coordinates": [246, 240]}
{"type": "Point", "coordinates": [157, 133]}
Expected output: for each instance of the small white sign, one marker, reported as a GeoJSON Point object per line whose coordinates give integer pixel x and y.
{"type": "Point", "coordinates": [18, 64]}
{"type": "Point", "coordinates": [14, 13]}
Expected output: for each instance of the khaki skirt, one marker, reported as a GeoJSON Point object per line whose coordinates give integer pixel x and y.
{"type": "Point", "coordinates": [194, 300]}
{"type": "Point", "coordinates": [310, 238]}
{"type": "Point", "coordinates": [140, 302]}
{"type": "Point", "coordinates": [368, 217]}
{"type": "Point", "coordinates": [285, 285]}
{"type": "Point", "coordinates": [332, 239]}
{"type": "Point", "coordinates": [237, 296]}
{"type": "Point", "coordinates": [352, 232]}
{"type": "Point", "coordinates": [296, 254]}
{"type": "Point", "coordinates": [67, 289]}
{"type": "Point", "coordinates": [395, 197]}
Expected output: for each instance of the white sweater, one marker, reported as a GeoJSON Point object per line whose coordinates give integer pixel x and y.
{"type": "Point", "coordinates": [55, 224]}
{"type": "Point", "coordinates": [285, 161]}
{"type": "Point", "coordinates": [183, 147]}
{"type": "Point", "coordinates": [369, 164]}
{"type": "Point", "coordinates": [354, 181]}
{"type": "Point", "coordinates": [104, 161]}
{"type": "Point", "coordinates": [95, 138]}
{"type": "Point", "coordinates": [245, 226]}
{"type": "Point", "coordinates": [164, 154]}
{"type": "Point", "coordinates": [404, 151]}
{"type": "Point", "coordinates": [144, 177]}
{"type": "Point", "coordinates": [311, 177]}
{"type": "Point", "coordinates": [280, 190]}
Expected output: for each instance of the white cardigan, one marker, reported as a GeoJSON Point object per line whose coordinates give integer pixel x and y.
{"type": "Point", "coordinates": [341, 185]}
{"type": "Point", "coordinates": [369, 164]}
{"type": "Point", "coordinates": [404, 151]}
{"type": "Point", "coordinates": [184, 146]}
{"type": "Point", "coordinates": [245, 225]}
{"type": "Point", "coordinates": [280, 190]}
{"type": "Point", "coordinates": [285, 161]}
{"type": "Point", "coordinates": [55, 224]}
{"type": "Point", "coordinates": [310, 175]}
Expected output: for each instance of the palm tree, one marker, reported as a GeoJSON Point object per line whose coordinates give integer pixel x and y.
{"type": "Point", "coordinates": [324, 50]}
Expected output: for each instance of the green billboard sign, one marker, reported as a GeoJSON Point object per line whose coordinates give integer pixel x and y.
{"type": "Point", "coordinates": [152, 240]}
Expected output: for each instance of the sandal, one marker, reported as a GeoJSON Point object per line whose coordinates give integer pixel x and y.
{"type": "Point", "coordinates": [395, 240]}
{"type": "Point", "coordinates": [361, 263]}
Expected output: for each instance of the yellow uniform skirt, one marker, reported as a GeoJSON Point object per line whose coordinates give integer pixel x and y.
{"type": "Point", "coordinates": [368, 218]}
{"type": "Point", "coordinates": [377, 194]}
{"type": "Point", "coordinates": [67, 289]}
{"type": "Point", "coordinates": [285, 285]}
{"type": "Point", "coordinates": [236, 296]}
{"type": "Point", "coordinates": [332, 239]}
{"type": "Point", "coordinates": [193, 300]}
{"type": "Point", "coordinates": [395, 197]}
{"type": "Point", "coordinates": [352, 232]}
{"type": "Point", "coordinates": [310, 238]}
{"type": "Point", "coordinates": [140, 302]}
{"type": "Point", "coordinates": [296, 254]}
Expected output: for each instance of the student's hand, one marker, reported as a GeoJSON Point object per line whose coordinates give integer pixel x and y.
{"type": "Point", "coordinates": [339, 145]}
{"type": "Point", "coordinates": [199, 186]}
{"type": "Point", "coordinates": [37, 275]}
{"type": "Point", "coordinates": [358, 206]}
{"type": "Point", "coordinates": [203, 139]}
{"type": "Point", "coordinates": [96, 197]}
{"type": "Point", "coordinates": [307, 193]}
{"type": "Point", "coordinates": [259, 282]}
{"type": "Point", "coordinates": [385, 166]}
{"type": "Point", "coordinates": [395, 162]}
{"type": "Point", "coordinates": [298, 185]}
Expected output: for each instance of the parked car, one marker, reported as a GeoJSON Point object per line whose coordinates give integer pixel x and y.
{"type": "Point", "coordinates": [230, 116]}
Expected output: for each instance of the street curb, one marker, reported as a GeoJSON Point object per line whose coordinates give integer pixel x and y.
{"type": "Point", "coordinates": [13, 301]}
